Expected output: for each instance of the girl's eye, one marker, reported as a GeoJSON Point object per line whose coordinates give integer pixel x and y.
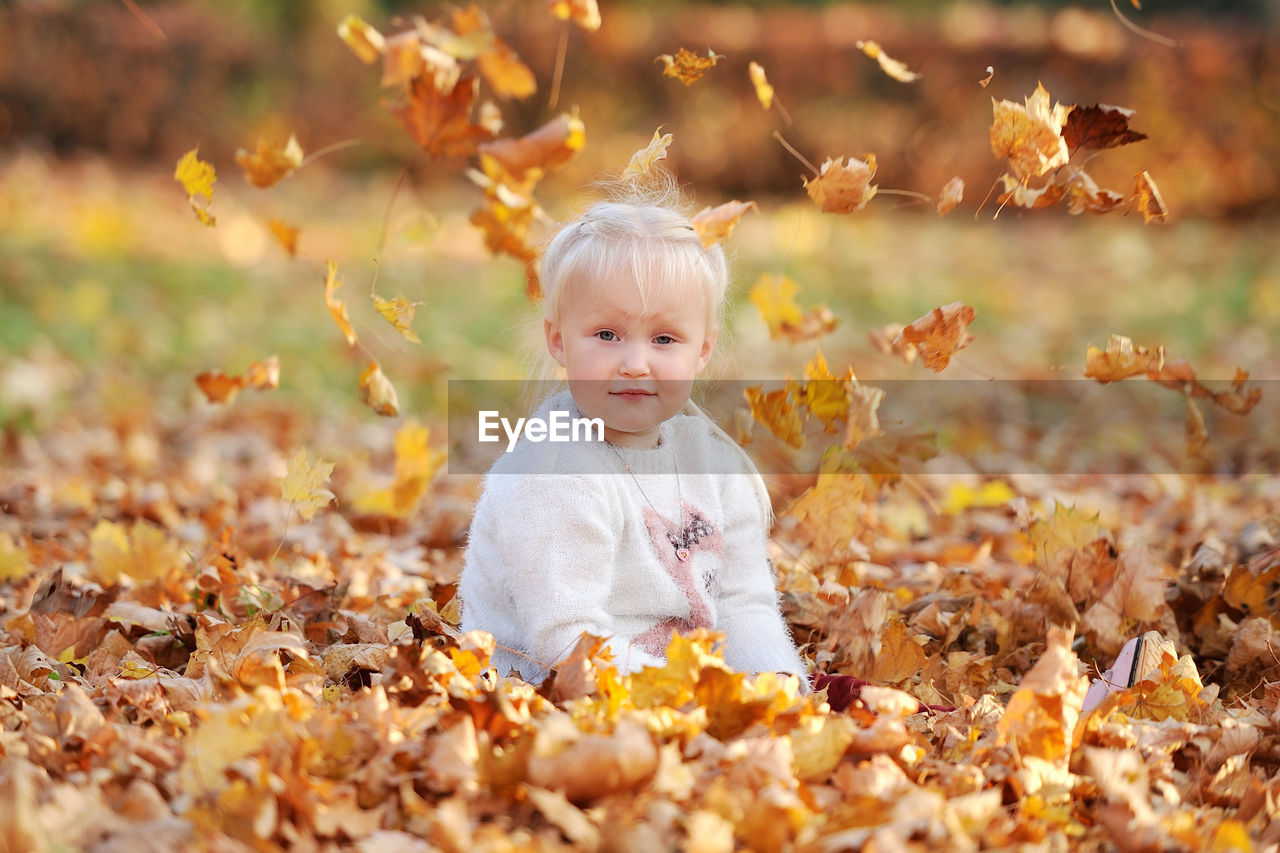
{"type": "Point", "coordinates": [664, 339]}
{"type": "Point", "coordinates": [606, 335]}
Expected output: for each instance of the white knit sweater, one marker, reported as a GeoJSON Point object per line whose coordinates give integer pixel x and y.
{"type": "Point", "coordinates": [565, 541]}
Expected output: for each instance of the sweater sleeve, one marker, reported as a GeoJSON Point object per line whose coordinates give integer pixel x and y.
{"type": "Point", "coordinates": [557, 538]}
{"type": "Point", "coordinates": [756, 636]}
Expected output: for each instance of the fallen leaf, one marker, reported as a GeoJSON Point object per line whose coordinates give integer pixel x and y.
{"type": "Point", "coordinates": [764, 92]}
{"type": "Point", "coordinates": [143, 552]}
{"type": "Point", "coordinates": [197, 178]}
{"type": "Point", "coordinates": [271, 162]}
{"type": "Point", "coordinates": [584, 13]}
{"type": "Point", "coordinates": [1099, 126]}
{"type": "Point", "coordinates": [365, 42]}
{"type": "Point", "coordinates": [642, 161]}
{"type": "Point", "coordinates": [686, 66]}
{"type": "Point", "coordinates": [337, 308]}
{"type": "Point", "coordinates": [895, 69]}
{"type": "Point", "coordinates": [1120, 360]}
{"type": "Point", "coordinates": [1030, 136]}
{"type": "Point", "coordinates": [14, 562]}
{"type": "Point", "coordinates": [939, 334]}
{"type": "Point", "coordinates": [952, 193]}
{"type": "Point", "coordinates": [900, 657]}
{"type": "Point", "coordinates": [843, 187]}
{"type": "Point", "coordinates": [1147, 196]}
{"type": "Point", "coordinates": [303, 485]}
{"type": "Point", "coordinates": [398, 311]}
{"type": "Point", "coordinates": [714, 224]}
{"type": "Point", "coordinates": [377, 391]}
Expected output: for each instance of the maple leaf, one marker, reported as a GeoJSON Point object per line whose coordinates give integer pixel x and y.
{"type": "Point", "coordinates": [440, 122]}
{"type": "Point", "coordinates": [1030, 136]}
{"type": "Point", "coordinates": [714, 224]}
{"type": "Point", "coordinates": [764, 92]}
{"type": "Point", "coordinates": [1099, 126]}
{"type": "Point", "coordinates": [377, 392]}
{"type": "Point", "coordinates": [505, 73]}
{"type": "Point", "coordinates": [843, 187]}
{"type": "Point", "coordinates": [686, 66]}
{"type": "Point", "coordinates": [952, 193]}
{"type": "Point", "coordinates": [303, 485]}
{"type": "Point", "coordinates": [1120, 360]}
{"type": "Point", "coordinates": [548, 147]}
{"type": "Point", "coordinates": [197, 178]}
{"type": "Point", "coordinates": [337, 308]}
{"type": "Point", "coordinates": [584, 13]}
{"type": "Point", "coordinates": [939, 334]}
{"type": "Point", "coordinates": [822, 394]}
{"type": "Point", "coordinates": [398, 311]}
{"type": "Point", "coordinates": [1147, 196]}
{"type": "Point", "coordinates": [642, 161]}
{"type": "Point", "coordinates": [774, 295]}
{"type": "Point", "coordinates": [1042, 712]}
{"type": "Point", "coordinates": [286, 235]}
{"type": "Point", "coordinates": [776, 410]}
{"type": "Point", "coordinates": [271, 162]}
{"type": "Point", "coordinates": [365, 42]}
{"type": "Point", "coordinates": [416, 465]}
{"type": "Point", "coordinates": [895, 69]}
{"type": "Point", "coordinates": [143, 553]}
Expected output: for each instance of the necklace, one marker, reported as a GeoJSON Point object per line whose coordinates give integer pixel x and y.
{"type": "Point", "coordinates": [681, 542]}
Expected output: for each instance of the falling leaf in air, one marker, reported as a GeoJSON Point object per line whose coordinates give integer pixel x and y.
{"type": "Point", "coordinates": [775, 295]}
{"type": "Point", "coordinates": [1180, 377]}
{"type": "Point", "coordinates": [642, 161]}
{"type": "Point", "coordinates": [271, 162]}
{"type": "Point", "coordinates": [825, 396]}
{"type": "Point", "coordinates": [264, 375]}
{"type": "Point", "coordinates": [1030, 135]}
{"type": "Point", "coordinates": [337, 308]}
{"type": "Point", "coordinates": [1083, 194]}
{"type": "Point", "coordinates": [714, 224]}
{"type": "Point", "coordinates": [286, 235]}
{"type": "Point", "coordinates": [377, 392]}
{"type": "Point", "coordinates": [952, 194]}
{"type": "Point", "coordinates": [764, 92]}
{"type": "Point", "coordinates": [411, 55]}
{"type": "Point", "coordinates": [505, 73]}
{"type": "Point", "coordinates": [843, 187]}
{"type": "Point", "coordinates": [440, 122]}
{"type": "Point", "coordinates": [1121, 360]}
{"type": "Point", "coordinates": [1099, 126]}
{"type": "Point", "coordinates": [986, 81]}
{"type": "Point", "coordinates": [197, 178]}
{"type": "Point", "coordinates": [218, 387]}
{"type": "Point", "coordinates": [1019, 194]}
{"type": "Point", "coordinates": [888, 340]}
{"type": "Point", "coordinates": [1150, 203]}
{"type": "Point", "coordinates": [895, 69]}
{"type": "Point", "coordinates": [507, 219]}
{"type": "Point", "coordinates": [686, 66]}
{"type": "Point", "coordinates": [584, 13]}
{"type": "Point", "coordinates": [548, 147]}
{"type": "Point", "coordinates": [398, 311]}
{"type": "Point", "coordinates": [303, 485]}
{"type": "Point", "coordinates": [939, 334]}
{"type": "Point", "coordinates": [777, 411]}
{"type": "Point", "coordinates": [416, 465]}
{"type": "Point", "coordinates": [365, 42]}
{"type": "Point", "coordinates": [863, 421]}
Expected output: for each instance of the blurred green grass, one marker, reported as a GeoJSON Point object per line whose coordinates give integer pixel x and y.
{"type": "Point", "coordinates": [109, 270]}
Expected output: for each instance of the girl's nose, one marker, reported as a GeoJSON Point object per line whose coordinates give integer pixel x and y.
{"type": "Point", "coordinates": [635, 362]}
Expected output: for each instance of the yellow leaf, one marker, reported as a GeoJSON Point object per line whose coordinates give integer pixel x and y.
{"type": "Point", "coordinates": [337, 308]}
{"type": "Point", "coordinates": [714, 224]}
{"type": "Point", "coordinates": [14, 562]}
{"type": "Point", "coordinates": [584, 13]}
{"type": "Point", "coordinates": [416, 466]}
{"type": "Point", "coordinates": [271, 162]}
{"type": "Point", "coordinates": [776, 411]}
{"type": "Point", "coordinates": [686, 66]}
{"type": "Point", "coordinates": [818, 744]}
{"type": "Point", "coordinates": [286, 235]}
{"type": "Point", "coordinates": [990, 493]}
{"type": "Point", "coordinates": [398, 311]}
{"type": "Point", "coordinates": [365, 42]}
{"type": "Point", "coordinates": [143, 553]}
{"type": "Point", "coordinates": [775, 295]}
{"type": "Point", "coordinates": [197, 178]}
{"type": "Point", "coordinates": [900, 657]}
{"type": "Point", "coordinates": [303, 484]}
{"type": "Point", "coordinates": [895, 69]}
{"type": "Point", "coordinates": [1030, 136]}
{"type": "Point", "coordinates": [826, 397]}
{"type": "Point", "coordinates": [643, 160]}
{"type": "Point", "coordinates": [377, 391]}
{"type": "Point", "coordinates": [828, 514]}
{"type": "Point", "coordinates": [764, 92]}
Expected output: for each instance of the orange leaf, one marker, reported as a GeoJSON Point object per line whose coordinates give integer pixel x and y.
{"type": "Point", "coordinates": [377, 392]}
{"type": "Point", "coordinates": [1030, 136]}
{"type": "Point", "coordinates": [764, 92]}
{"type": "Point", "coordinates": [286, 235]}
{"type": "Point", "coordinates": [863, 421]}
{"type": "Point", "coordinates": [895, 69]}
{"type": "Point", "coordinates": [899, 658]}
{"type": "Point", "coordinates": [1150, 202]}
{"type": "Point", "coordinates": [1180, 377]}
{"type": "Point", "coordinates": [828, 514]}
{"type": "Point", "coordinates": [1099, 126]}
{"type": "Point", "coordinates": [686, 66]}
{"type": "Point", "coordinates": [940, 334]}
{"type": "Point", "coordinates": [270, 162]}
{"type": "Point", "coordinates": [337, 308]}
{"type": "Point", "coordinates": [406, 57]}
{"type": "Point", "coordinates": [952, 194]}
{"type": "Point", "coordinates": [584, 13]}
{"type": "Point", "coordinates": [440, 123]}
{"type": "Point", "coordinates": [365, 42]}
{"type": "Point", "coordinates": [546, 148]}
{"type": "Point", "coordinates": [986, 81]}
{"type": "Point", "coordinates": [1121, 360]}
{"type": "Point", "coordinates": [218, 387]}
{"type": "Point", "coordinates": [505, 73]}
{"type": "Point", "coordinates": [716, 224]}
{"type": "Point", "coordinates": [642, 161]}
{"type": "Point", "coordinates": [776, 411]}
{"type": "Point", "coordinates": [843, 187]}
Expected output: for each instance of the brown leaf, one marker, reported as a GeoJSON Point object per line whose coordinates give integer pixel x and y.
{"type": "Point", "coordinates": [1121, 360]}
{"type": "Point", "coordinates": [1099, 126]}
{"type": "Point", "coordinates": [900, 657]}
{"type": "Point", "coordinates": [843, 187]}
{"type": "Point", "coordinates": [218, 387]}
{"type": "Point", "coordinates": [1019, 194]}
{"type": "Point", "coordinates": [714, 224]}
{"type": "Point", "coordinates": [888, 340]}
{"type": "Point", "coordinates": [1180, 377]}
{"type": "Point", "coordinates": [686, 66]}
{"type": "Point", "coordinates": [939, 334]}
{"type": "Point", "coordinates": [440, 122]}
{"type": "Point", "coordinates": [1147, 196]}
{"type": "Point", "coordinates": [1083, 194]}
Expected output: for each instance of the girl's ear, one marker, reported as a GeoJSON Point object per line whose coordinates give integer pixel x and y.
{"type": "Point", "coordinates": [708, 348]}
{"type": "Point", "coordinates": [555, 340]}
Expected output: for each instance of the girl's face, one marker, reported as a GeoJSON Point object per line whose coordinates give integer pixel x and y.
{"type": "Point", "coordinates": [631, 361]}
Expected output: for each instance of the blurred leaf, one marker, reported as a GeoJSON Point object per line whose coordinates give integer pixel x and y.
{"type": "Point", "coordinates": [714, 224]}
{"type": "Point", "coordinates": [939, 334]}
{"type": "Point", "coordinates": [895, 69]}
{"type": "Point", "coordinates": [686, 66]}
{"type": "Point", "coordinates": [1030, 135]}
{"type": "Point", "coordinates": [843, 187]}
{"type": "Point", "coordinates": [303, 485]}
{"type": "Point", "coordinates": [377, 391]}
{"type": "Point", "coordinates": [197, 178]}
{"type": "Point", "coordinates": [337, 308]}
{"type": "Point", "coordinates": [764, 92]}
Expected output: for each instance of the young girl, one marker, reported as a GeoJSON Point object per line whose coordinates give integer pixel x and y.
{"type": "Point", "coordinates": [660, 527]}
